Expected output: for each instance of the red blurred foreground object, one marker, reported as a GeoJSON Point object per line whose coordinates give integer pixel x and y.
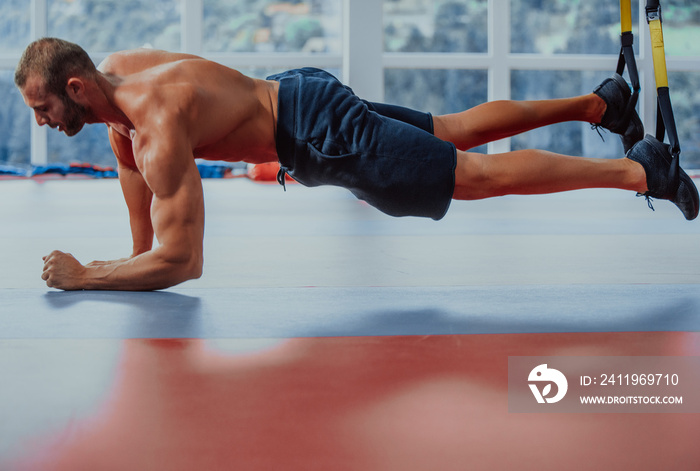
{"type": "Point", "coordinates": [361, 403]}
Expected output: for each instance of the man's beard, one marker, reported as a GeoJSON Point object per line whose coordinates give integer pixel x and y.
{"type": "Point", "coordinates": [73, 116]}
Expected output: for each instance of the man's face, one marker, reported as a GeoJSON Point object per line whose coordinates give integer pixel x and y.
{"type": "Point", "coordinates": [57, 111]}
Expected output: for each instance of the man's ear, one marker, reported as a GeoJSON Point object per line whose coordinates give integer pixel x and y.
{"type": "Point", "coordinates": [76, 89]}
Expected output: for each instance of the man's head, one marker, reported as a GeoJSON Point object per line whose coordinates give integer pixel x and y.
{"type": "Point", "coordinates": [51, 74]}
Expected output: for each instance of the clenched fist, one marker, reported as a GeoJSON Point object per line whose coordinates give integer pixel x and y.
{"type": "Point", "coordinates": [63, 271]}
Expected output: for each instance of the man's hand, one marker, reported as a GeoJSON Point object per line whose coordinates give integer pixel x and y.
{"type": "Point", "coordinates": [63, 271]}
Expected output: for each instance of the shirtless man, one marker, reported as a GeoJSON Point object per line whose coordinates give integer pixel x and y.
{"type": "Point", "coordinates": [163, 110]}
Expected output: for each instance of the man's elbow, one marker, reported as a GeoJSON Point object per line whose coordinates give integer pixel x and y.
{"type": "Point", "coordinates": [183, 267]}
{"type": "Point", "coordinates": [193, 267]}
{"type": "Point", "coordinates": [196, 268]}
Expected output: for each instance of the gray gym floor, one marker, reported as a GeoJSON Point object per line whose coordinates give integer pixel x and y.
{"type": "Point", "coordinates": [309, 295]}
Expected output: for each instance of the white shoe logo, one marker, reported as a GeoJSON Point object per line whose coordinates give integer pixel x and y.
{"type": "Point", "coordinates": [549, 375]}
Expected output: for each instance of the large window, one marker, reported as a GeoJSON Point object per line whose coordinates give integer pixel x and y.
{"type": "Point", "coordinates": [439, 56]}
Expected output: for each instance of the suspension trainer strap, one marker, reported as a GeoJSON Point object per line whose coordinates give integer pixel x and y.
{"type": "Point", "coordinates": [665, 122]}
{"type": "Point", "coordinates": [626, 57]}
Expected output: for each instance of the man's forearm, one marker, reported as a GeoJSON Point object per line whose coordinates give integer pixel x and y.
{"type": "Point", "coordinates": [156, 269]}
{"type": "Point", "coordinates": [144, 272]}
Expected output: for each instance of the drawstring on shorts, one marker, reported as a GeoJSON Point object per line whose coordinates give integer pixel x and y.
{"type": "Point", "coordinates": [281, 174]}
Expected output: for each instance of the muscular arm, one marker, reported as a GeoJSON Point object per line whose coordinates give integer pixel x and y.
{"type": "Point", "coordinates": [165, 162]}
{"type": "Point", "coordinates": [137, 194]}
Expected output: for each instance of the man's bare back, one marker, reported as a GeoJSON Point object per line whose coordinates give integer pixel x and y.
{"type": "Point", "coordinates": [228, 116]}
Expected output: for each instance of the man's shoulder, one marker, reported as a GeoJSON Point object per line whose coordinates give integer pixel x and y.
{"type": "Point", "coordinates": [113, 63]}
{"type": "Point", "coordinates": [133, 61]}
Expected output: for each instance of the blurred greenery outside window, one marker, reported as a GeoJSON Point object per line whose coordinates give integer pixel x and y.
{"type": "Point", "coordinates": [113, 25]}
{"type": "Point", "coordinates": [424, 27]}
{"type": "Point", "coordinates": [272, 26]}
{"type": "Point", "coordinates": [435, 26]}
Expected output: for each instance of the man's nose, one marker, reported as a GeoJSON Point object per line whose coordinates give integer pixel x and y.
{"type": "Point", "coordinates": [40, 120]}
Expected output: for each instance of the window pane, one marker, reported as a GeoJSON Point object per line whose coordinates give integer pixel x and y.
{"type": "Point", "coordinates": [436, 91]}
{"type": "Point", "coordinates": [14, 25]}
{"type": "Point", "coordinates": [572, 138]}
{"type": "Point", "coordinates": [435, 26]}
{"type": "Point", "coordinates": [112, 25]}
{"type": "Point", "coordinates": [271, 26]}
{"type": "Point", "coordinates": [571, 27]}
{"type": "Point", "coordinates": [681, 24]}
{"type": "Point", "coordinates": [14, 124]}
{"type": "Point", "coordinates": [686, 103]}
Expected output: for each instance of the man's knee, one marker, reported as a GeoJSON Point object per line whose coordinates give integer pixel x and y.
{"type": "Point", "coordinates": [472, 181]}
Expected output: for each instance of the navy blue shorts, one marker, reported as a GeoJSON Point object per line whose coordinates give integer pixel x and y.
{"type": "Point", "coordinates": [386, 155]}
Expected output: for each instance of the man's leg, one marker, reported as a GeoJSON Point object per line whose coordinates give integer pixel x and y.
{"type": "Point", "coordinates": [527, 172]}
{"type": "Point", "coordinates": [646, 170]}
{"type": "Point", "coordinates": [496, 120]}
{"type": "Point", "coordinates": [606, 107]}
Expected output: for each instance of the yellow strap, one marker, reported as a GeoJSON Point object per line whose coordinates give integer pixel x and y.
{"type": "Point", "coordinates": [657, 51]}
{"type": "Point", "coordinates": [626, 16]}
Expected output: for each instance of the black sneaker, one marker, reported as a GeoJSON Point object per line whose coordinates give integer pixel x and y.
{"type": "Point", "coordinates": [656, 159]}
{"type": "Point", "coordinates": [617, 118]}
